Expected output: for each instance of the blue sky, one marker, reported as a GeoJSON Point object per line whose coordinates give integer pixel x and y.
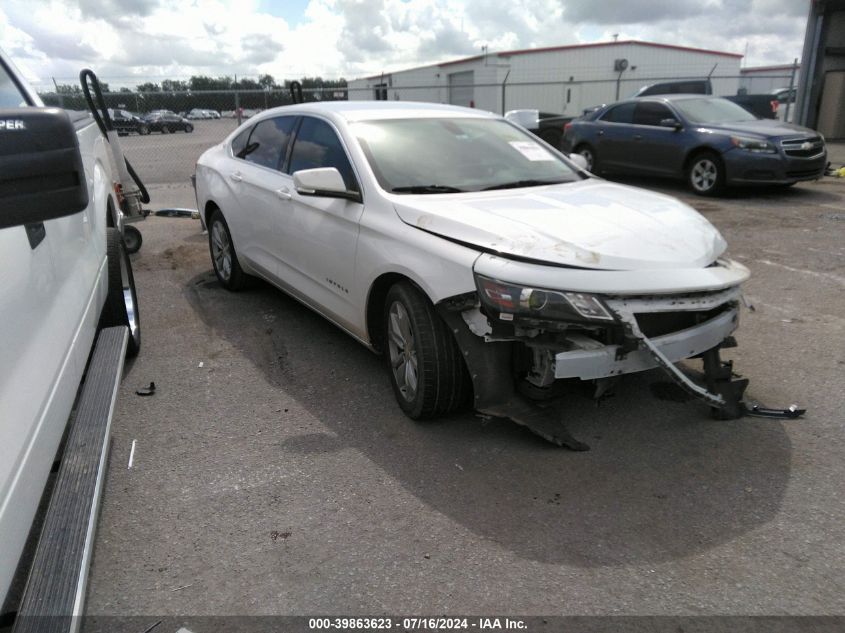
{"type": "Point", "coordinates": [292, 11]}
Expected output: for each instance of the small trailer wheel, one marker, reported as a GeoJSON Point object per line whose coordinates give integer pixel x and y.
{"type": "Point", "coordinates": [132, 239]}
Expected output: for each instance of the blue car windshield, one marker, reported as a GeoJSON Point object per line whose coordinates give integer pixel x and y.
{"type": "Point", "coordinates": [451, 155]}
{"type": "Point", "coordinates": [712, 110]}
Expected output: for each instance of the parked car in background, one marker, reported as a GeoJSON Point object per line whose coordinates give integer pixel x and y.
{"type": "Point", "coordinates": [455, 243]}
{"type": "Point", "coordinates": [199, 113]}
{"type": "Point", "coordinates": [167, 122]}
{"type": "Point", "coordinates": [709, 141]}
{"type": "Point", "coordinates": [761, 105]}
{"type": "Point", "coordinates": [126, 122]}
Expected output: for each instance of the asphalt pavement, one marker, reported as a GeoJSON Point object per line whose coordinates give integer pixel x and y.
{"type": "Point", "coordinates": [273, 472]}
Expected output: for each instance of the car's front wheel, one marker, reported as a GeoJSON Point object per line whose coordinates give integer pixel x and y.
{"type": "Point", "coordinates": [223, 257]}
{"type": "Point", "coordinates": [189, 128]}
{"type": "Point", "coordinates": [165, 129]}
{"type": "Point", "coordinates": [426, 368]}
{"type": "Point", "coordinates": [143, 130]}
{"type": "Point", "coordinates": [706, 174]}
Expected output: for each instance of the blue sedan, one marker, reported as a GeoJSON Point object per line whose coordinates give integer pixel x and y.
{"type": "Point", "coordinates": [708, 141]}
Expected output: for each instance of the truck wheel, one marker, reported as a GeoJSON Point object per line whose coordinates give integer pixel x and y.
{"type": "Point", "coordinates": [706, 174]}
{"type": "Point", "coordinates": [223, 257]}
{"type": "Point", "coordinates": [132, 238]}
{"type": "Point", "coordinates": [121, 306]}
{"type": "Point", "coordinates": [426, 368]}
{"type": "Point", "coordinates": [589, 155]}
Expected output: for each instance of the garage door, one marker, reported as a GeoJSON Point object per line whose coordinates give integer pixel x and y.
{"type": "Point", "coordinates": [461, 90]}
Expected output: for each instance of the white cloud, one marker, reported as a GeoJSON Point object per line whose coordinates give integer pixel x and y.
{"type": "Point", "coordinates": [128, 41]}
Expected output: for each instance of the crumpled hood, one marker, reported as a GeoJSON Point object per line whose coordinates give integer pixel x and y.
{"type": "Point", "coordinates": [588, 224]}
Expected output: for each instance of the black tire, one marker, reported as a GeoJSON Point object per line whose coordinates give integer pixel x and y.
{"type": "Point", "coordinates": [189, 128]}
{"type": "Point", "coordinates": [705, 174]}
{"type": "Point", "coordinates": [121, 306]}
{"type": "Point", "coordinates": [589, 153]}
{"type": "Point", "coordinates": [133, 239]}
{"type": "Point", "coordinates": [442, 382]}
{"type": "Point", "coordinates": [165, 129]}
{"type": "Point", "coordinates": [230, 275]}
{"type": "Point", "coordinates": [143, 130]}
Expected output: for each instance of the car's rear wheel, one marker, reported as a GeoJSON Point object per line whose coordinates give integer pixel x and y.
{"type": "Point", "coordinates": [427, 371]}
{"type": "Point", "coordinates": [589, 155]}
{"type": "Point", "coordinates": [121, 307]}
{"type": "Point", "coordinates": [143, 130]}
{"type": "Point", "coordinates": [706, 174]}
{"type": "Point", "coordinates": [223, 255]}
{"type": "Point", "coordinates": [165, 129]}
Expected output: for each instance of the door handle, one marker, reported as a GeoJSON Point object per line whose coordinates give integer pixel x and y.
{"type": "Point", "coordinates": [284, 193]}
{"type": "Point", "coordinates": [638, 137]}
{"type": "Point", "coordinates": [236, 177]}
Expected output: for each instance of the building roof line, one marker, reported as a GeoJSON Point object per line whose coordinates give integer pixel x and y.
{"type": "Point", "coordinates": [550, 49]}
{"type": "Point", "coordinates": [759, 68]}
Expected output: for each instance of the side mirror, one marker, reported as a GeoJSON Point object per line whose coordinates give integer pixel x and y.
{"type": "Point", "coordinates": [672, 123]}
{"type": "Point", "coordinates": [325, 182]}
{"type": "Point", "coordinates": [41, 172]}
{"type": "Point", "coordinates": [579, 161]}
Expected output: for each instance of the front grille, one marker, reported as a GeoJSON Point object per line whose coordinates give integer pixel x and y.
{"type": "Point", "coordinates": [807, 147]}
{"type": "Point", "coordinates": [804, 173]}
{"type": "Point", "coordinates": [660, 323]}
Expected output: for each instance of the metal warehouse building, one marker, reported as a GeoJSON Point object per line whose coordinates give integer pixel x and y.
{"type": "Point", "coordinates": [560, 79]}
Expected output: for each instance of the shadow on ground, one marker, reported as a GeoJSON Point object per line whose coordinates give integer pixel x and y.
{"type": "Point", "coordinates": [661, 482]}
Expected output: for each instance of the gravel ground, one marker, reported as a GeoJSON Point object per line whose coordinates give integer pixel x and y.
{"type": "Point", "coordinates": [274, 474]}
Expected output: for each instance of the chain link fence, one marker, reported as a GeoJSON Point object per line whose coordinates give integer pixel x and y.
{"type": "Point", "coordinates": [167, 153]}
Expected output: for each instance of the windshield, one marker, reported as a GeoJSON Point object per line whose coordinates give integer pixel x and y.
{"type": "Point", "coordinates": [10, 94]}
{"type": "Point", "coordinates": [440, 155]}
{"type": "Point", "coordinates": [712, 110]}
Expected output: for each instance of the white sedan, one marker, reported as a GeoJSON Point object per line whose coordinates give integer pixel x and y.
{"type": "Point", "coordinates": [483, 264]}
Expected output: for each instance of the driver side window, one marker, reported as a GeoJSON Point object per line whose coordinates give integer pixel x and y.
{"type": "Point", "coordinates": [317, 145]}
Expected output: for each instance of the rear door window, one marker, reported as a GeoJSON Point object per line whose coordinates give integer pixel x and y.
{"type": "Point", "coordinates": [268, 142]}
{"type": "Point", "coordinates": [317, 145]}
{"type": "Point", "coordinates": [623, 113]}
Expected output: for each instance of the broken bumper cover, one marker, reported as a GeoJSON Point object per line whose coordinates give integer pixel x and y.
{"type": "Point", "coordinates": [593, 360]}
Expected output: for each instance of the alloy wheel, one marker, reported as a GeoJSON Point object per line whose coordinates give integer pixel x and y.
{"type": "Point", "coordinates": [704, 175]}
{"type": "Point", "coordinates": [403, 352]}
{"type": "Point", "coordinates": [221, 250]}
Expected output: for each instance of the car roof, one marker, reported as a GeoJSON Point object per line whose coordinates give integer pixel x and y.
{"type": "Point", "coordinates": [375, 110]}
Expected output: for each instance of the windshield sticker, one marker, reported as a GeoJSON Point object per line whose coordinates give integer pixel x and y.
{"type": "Point", "coordinates": [531, 151]}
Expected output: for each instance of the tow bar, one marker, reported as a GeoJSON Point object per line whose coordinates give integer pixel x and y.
{"type": "Point", "coordinates": [130, 191]}
{"type": "Point", "coordinates": [723, 393]}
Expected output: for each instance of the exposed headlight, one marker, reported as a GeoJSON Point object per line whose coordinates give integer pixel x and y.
{"type": "Point", "coordinates": [756, 145]}
{"type": "Point", "coordinates": [506, 300]}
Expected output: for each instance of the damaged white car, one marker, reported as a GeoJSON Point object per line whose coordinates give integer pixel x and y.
{"type": "Point", "coordinates": [483, 264]}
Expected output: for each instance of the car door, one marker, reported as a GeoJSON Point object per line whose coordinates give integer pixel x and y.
{"type": "Point", "coordinates": [263, 195]}
{"type": "Point", "coordinates": [319, 236]}
{"type": "Point", "coordinates": [655, 148]}
{"type": "Point", "coordinates": [613, 133]}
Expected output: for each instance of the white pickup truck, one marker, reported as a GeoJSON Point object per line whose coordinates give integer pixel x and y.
{"type": "Point", "coordinates": [68, 315]}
